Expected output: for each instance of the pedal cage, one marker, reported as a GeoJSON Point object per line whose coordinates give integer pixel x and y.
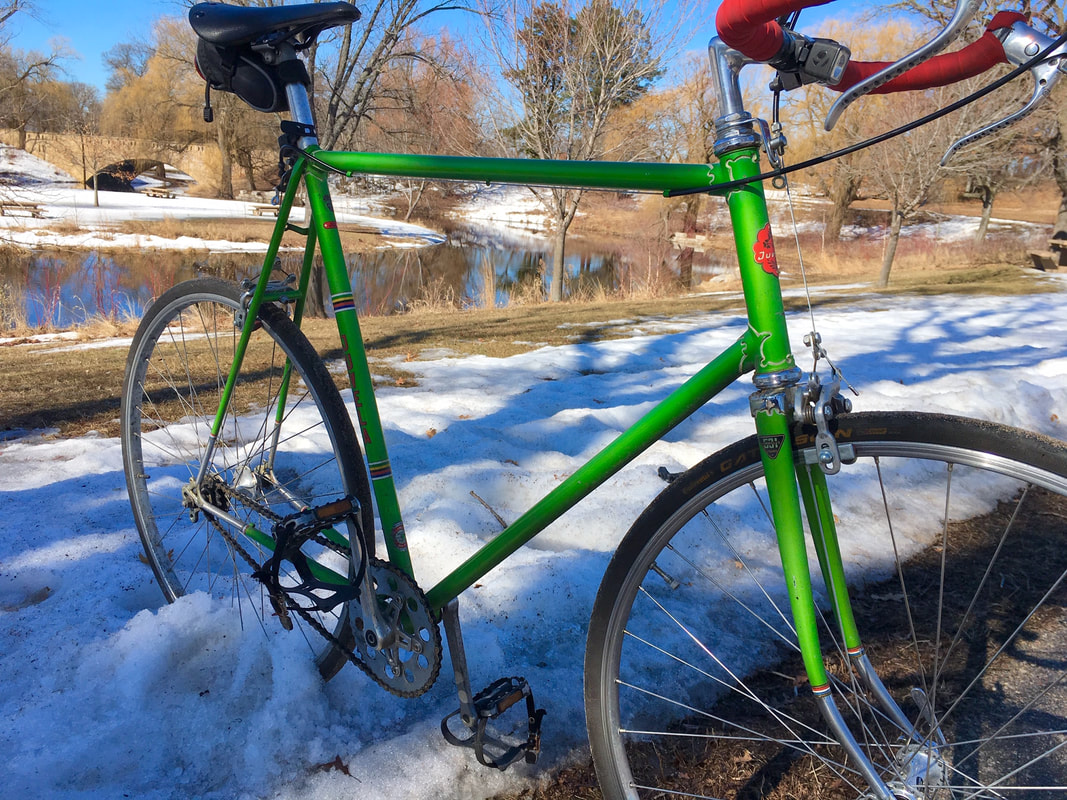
{"type": "Point", "coordinates": [489, 704]}
{"type": "Point", "coordinates": [290, 534]}
{"type": "Point", "coordinates": [476, 712]}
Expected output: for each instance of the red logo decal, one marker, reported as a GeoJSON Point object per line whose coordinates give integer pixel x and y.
{"type": "Point", "coordinates": [764, 250]}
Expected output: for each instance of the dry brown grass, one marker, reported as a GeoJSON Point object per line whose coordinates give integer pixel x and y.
{"type": "Point", "coordinates": [46, 385]}
{"type": "Point", "coordinates": [253, 229]}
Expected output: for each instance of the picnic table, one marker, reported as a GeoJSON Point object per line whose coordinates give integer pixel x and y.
{"type": "Point", "coordinates": [259, 209]}
{"type": "Point", "coordinates": [1059, 248]}
{"type": "Point", "coordinates": [1052, 259]}
{"type": "Point", "coordinates": [166, 194]}
{"type": "Point", "coordinates": [7, 207]}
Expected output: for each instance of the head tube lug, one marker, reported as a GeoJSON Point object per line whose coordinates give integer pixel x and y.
{"type": "Point", "coordinates": [774, 392]}
{"type": "Point", "coordinates": [733, 132]}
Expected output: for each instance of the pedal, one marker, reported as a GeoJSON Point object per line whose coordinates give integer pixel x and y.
{"type": "Point", "coordinates": [490, 703]}
{"type": "Point", "coordinates": [290, 535]}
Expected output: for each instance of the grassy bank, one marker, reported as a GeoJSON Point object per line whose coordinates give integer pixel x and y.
{"type": "Point", "coordinates": [75, 389]}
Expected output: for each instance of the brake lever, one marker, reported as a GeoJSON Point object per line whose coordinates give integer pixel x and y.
{"type": "Point", "coordinates": [965, 11]}
{"type": "Point", "coordinates": [1021, 44]}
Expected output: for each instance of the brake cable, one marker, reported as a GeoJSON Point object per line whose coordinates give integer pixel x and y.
{"type": "Point", "coordinates": [882, 137]}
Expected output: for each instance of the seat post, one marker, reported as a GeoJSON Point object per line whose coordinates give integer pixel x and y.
{"type": "Point", "coordinates": [296, 91]}
{"type": "Point", "coordinates": [300, 111]}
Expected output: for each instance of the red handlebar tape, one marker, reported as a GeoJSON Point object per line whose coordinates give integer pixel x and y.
{"type": "Point", "coordinates": [749, 26]}
{"type": "Point", "coordinates": [941, 70]}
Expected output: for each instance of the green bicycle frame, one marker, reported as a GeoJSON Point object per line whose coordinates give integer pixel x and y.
{"type": "Point", "coordinates": [763, 348]}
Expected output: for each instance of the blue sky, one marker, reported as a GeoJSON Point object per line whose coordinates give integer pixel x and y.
{"type": "Point", "coordinates": [92, 27]}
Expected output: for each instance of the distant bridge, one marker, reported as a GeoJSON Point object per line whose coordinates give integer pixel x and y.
{"type": "Point", "coordinates": [76, 155]}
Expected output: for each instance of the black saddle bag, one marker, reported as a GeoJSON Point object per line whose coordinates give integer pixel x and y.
{"type": "Point", "coordinates": [243, 72]}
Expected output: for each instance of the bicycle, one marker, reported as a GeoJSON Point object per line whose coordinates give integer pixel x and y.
{"type": "Point", "coordinates": [248, 481]}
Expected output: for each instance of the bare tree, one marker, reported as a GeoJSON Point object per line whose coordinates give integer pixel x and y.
{"type": "Point", "coordinates": [24, 77]}
{"type": "Point", "coordinates": [569, 68]}
{"type": "Point", "coordinates": [8, 9]}
{"type": "Point", "coordinates": [673, 124]}
{"type": "Point", "coordinates": [347, 64]}
{"type": "Point", "coordinates": [22, 73]}
{"type": "Point", "coordinates": [83, 121]}
{"type": "Point", "coordinates": [1046, 14]}
{"type": "Point", "coordinates": [126, 62]}
{"type": "Point", "coordinates": [435, 110]}
{"type": "Point", "coordinates": [906, 169]}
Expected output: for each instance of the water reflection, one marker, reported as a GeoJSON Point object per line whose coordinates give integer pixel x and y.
{"type": "Point", "coordinates": [65, 288]}
{"type": "Point", "coordinates": [474, 267]}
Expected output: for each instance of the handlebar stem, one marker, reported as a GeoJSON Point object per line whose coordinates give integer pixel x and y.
{"type": "Point", "coordinates": [733, 127]}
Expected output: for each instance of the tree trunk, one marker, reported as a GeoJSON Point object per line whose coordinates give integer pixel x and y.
{"type": "Point", "coordinates": [689, 228]}
{"type": "Point", "coordinates": [315, 301]}
{"type": "Point", "coordinates": [1058, 144]}
{"type": "Point", "coordinates": [249, 171]}
{"type": "Point", "coordinates": [555, 287]}
{"type": "Point", "coordinates": [1059, 230]}
{"type": "Point", "coordinates": [843, 192]}
{"type": "Point", "coordinates": [225, 165]}
{"type": "Point", "coordinates": [414, 194]}
{"type": "Point", "coordinates": [565, 206]}
{"type": "Point", "coordinates": [890, 249]}
{"type": "Point", "coordinates": [987, 212]}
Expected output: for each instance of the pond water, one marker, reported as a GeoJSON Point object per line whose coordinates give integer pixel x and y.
{"type": "Point", "coordinates": [473, 267]}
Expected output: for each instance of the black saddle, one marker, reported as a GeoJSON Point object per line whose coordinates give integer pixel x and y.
{"type": "Point", "coordinates": [236, 26]}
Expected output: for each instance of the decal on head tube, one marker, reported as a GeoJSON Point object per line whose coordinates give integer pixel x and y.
{"type": "Point", "coordinates": [772, 445]}
{"type": "Point", "coordinates": [763, 250]}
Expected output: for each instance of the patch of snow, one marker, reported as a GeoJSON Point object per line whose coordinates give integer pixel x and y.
{"type": "Point", "coordinates": [109, 691]}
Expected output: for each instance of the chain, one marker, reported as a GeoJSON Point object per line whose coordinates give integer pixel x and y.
{"type": "Point", "coordinates": [305, 615]}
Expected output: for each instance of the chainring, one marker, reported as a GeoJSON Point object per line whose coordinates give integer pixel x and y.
{"type": "Point", "coordinates": [408, 659]}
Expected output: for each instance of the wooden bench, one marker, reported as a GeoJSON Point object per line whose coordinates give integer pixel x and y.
{"type": "Point", "coordinates": [1059, 247]}
{"type": "Point", "coordinates": [1054, 258]}
{"type": "Point", "coordinates": [165, 194]}
{"type": "Point", "coordinates": [8, 207]}
{"type": "Point", "coordinates": [259, 209]}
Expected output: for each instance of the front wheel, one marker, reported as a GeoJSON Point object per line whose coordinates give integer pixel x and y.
{"type": "Point", "coordinates": [286, 444]}
{"type": "Point", "coordinates": [954, 539]}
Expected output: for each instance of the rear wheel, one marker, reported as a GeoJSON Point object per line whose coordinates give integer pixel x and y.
{"type": "Point", "coordinates": [954, 537]}
{"type": "Point", "coordinates": [260, 471]}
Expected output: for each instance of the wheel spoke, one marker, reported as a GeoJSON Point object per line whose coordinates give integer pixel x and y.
{"type": "Point", "coordinates": [952, 535]}
{"type": "Point", "coordinates": [263, 466]}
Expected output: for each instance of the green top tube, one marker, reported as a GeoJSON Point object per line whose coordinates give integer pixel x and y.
{"type": "Point", "coordinates": [617, 175]}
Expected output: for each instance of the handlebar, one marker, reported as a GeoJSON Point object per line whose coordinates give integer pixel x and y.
{"type": "Point", "coordinates": [751, 27]}
{"type": "Point", "coordinates": [940, 70]}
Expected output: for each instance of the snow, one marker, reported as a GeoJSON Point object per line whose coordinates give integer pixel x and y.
{"type": "Point", "coordinates": [512, 207]}
{"type": "Point", "coordinates": [111, 692]}
{"type": "Point", "coordinates": [65, 206]}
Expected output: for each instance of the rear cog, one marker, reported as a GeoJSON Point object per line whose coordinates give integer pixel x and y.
{"type": "Point", "coordinates": [407, 659]}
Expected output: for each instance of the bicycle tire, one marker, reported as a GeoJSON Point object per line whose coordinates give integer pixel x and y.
{"type": "Point", "coordinates": [177, 365]}
{"type": "Point", "coordinates": [694, 686]}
